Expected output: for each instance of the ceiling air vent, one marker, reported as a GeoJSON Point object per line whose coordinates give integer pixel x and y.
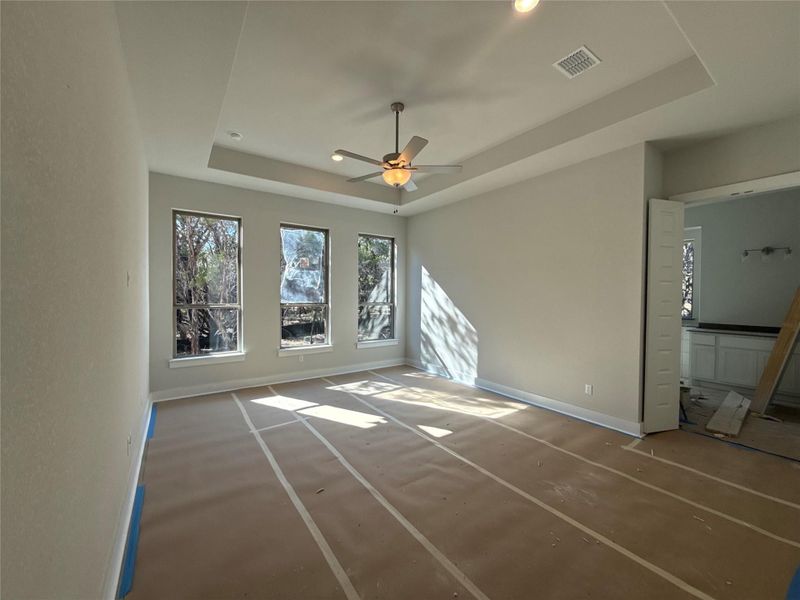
{"type": "Point", "coordinates": [576, 62]}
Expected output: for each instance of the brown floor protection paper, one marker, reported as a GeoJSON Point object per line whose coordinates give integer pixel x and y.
{"type": "Point", "coordinates": [447, 491]}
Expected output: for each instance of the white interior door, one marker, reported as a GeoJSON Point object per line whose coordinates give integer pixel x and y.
{"type": "Point", "coordinates": [663, 316]}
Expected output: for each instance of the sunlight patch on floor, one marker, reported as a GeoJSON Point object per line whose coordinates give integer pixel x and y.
{"type": "Point", "coordinates": [436, 432]}
{"type": "Point", "coordinates": [366, 387]}
{"type": "Point", "coordinates": [344, 416]}
{"type": "Point", "coordinates": [283, 402]}
{"type": "Point", "coordinates": [337, 414]}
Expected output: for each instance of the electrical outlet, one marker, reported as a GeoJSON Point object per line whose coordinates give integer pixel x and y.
{"type": "Point", "coordinates": [588, 389]}
{"type": "Point", "coordinates": [301, 358]}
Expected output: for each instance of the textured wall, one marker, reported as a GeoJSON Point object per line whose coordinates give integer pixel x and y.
{"type": "Point", "coordinates": [539, 285]}
{"type": "Point", "coordinates": [74, 295]}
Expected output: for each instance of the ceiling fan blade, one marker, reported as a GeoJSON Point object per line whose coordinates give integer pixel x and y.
{"type": "Point", "coordinates": [413, 147]}
{"type": "Point", "coordinates": [438, 168]}
{"type": "Point", "coordinates": [372, 161]}
{"type": "Point", "coordinates": [410, 186]}
{"type": "Point", "coordinates": [365, 177]}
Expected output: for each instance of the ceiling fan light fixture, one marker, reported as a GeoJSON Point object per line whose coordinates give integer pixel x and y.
{"type": "Point", "coordinates": [524, 6]}
{"type": "Point", "coordinates": [396, 177]}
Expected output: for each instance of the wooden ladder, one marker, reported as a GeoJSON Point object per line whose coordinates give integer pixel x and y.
{"type": "Point", "coordinates": [779, 357]}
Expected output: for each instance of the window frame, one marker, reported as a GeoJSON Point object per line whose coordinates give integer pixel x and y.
{"type": "Point", "coordinates": [290, 350]}
{"type": "Point", "coordinates": [392, 294]}
{"type": "Point", "coordinates": [695, 235]}
{"type": "Point", "coordinates": [198, 359]}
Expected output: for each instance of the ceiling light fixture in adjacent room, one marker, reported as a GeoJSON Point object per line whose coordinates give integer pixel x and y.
{"type": "Point", "coordinates": [524, 6]}
{"type": "Point", "coordinates": [337, 157]}
{"type": "Point", "coordinates": [235, 136]}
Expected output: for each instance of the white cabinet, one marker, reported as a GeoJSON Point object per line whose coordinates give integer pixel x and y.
{"type": "Point", "coordinates": [703, 356]}
{"type": "Point", "coordinates": [736, 360]}
{"type": "Point", "coordinates": [737, 366]}
{"type": "Point", "coordinates": [704, 361]}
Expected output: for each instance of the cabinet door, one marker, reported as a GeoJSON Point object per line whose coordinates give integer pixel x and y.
{"type": "Point", "coordinates": [703, 362]}
{"type": "Point", "coordinates": [738, 366]}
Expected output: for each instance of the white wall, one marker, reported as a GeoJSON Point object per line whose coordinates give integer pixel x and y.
{"type": "Point", "coordinates": [538, 286]}
{"type": "Point", "coordinates": [262, 214]}
{"type": "Point", "coordinates": [74, 334]}
{"type": "Point", "coordinates": [753, 292]}
{"type": "Point", "coordinates": [763, 151]}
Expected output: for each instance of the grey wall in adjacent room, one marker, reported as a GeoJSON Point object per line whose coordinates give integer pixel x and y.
{"type": "Point", "coordinates": [74, 294]}
{"type": "Point", "coordinates": [753, 292]}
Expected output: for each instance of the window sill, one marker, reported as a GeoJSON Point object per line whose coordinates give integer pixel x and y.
{"type": "Point", "coordinates": [313, 349]}
{"type": "Point", "coordinates": [211, 359]}
{"type": "Point", "coordinates": [378, 343]}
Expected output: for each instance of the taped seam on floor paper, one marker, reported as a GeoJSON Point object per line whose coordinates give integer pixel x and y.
{"type": "Point", "coordinates": [632, 448]}
{"type": "Point", "coordinates": [268, 427]}
{"type": "Point", "coordinates": [664, 574]}
{"type": "Point", "coordinates": [633, 479]}
{"type": "Point", "coordinates": [327, 553]}
{"type": "Point", "coordinates": [391, 509]}
{"type": "Point", "coordinates": [714, 478]}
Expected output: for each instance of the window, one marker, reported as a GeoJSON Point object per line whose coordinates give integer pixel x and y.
{"type": "Point", "coordinates": [375, 288]}
{"type": "Point", "coordinates": [687, 308]}
{"type": "Point", "coordinates": [304, 286]}
{"type": "Point", "coordinates": [207, 302]}
{"type": "Point", "coordinates": [691, 274]}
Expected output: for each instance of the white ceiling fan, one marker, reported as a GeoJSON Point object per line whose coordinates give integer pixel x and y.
{"type": "Point", "coordinates": [397, 167]}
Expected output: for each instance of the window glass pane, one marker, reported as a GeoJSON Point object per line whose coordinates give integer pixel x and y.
{"type": "Point", "coordinates": [205, 330]}
{"type": "Point", "coordinates": [687, 308]}
{"type": "Point", "coordinates": [303, 264]}
{"type": "Point", "coordinates": [303, 325]}
{"type": "Point", "coordinates": [375, 322]}
{"type": "Point", "coordinates": [206, 260]}
{"type": "Point", "coordinates": [374, 269]}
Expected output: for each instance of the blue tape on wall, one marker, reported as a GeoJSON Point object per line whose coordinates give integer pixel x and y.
{"type": "Point", "coordinates": [794, 587]}
{"type": "Point", "coordinates": [151, 427]}
{"type": "Point", "coordinates": [126, 579]}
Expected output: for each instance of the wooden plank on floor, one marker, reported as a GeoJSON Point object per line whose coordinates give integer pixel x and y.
{"type": "Point", "coordinates": [729, 417]}
{"type": "Point", "coordinates": [779, 356]}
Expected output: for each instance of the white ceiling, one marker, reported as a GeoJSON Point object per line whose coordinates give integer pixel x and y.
{"type": "Point", "coordinates": [299, 79]}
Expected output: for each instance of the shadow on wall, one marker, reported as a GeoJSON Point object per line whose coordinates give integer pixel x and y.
{"type": "Point", "coordinates": [448, 341]}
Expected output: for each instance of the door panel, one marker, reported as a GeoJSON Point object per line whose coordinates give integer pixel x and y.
{"type": "Point", "coordinates": [663, 317]}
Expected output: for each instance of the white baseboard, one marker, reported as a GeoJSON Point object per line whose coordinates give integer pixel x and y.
{"type": "Point", "coordinates": [123, 523]}
{"type": "Point", "coordinates": [584, 414]}
{"type": "Point", "coordinates": [565, 408]}
{"type": "Point", "coordinates": [229, 386]}
{"type": "Point", "coordinates": [464, 378]}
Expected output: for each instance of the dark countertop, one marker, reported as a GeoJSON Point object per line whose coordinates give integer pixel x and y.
{"type": "Point", "coordinates": [731, 329]}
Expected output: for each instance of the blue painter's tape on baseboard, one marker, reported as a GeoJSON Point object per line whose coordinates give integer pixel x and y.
{"type": "Point", "coordinates": [151, 427]}
{"type": "Point", "coordinates": [794, 587]}
{"type": "Point", "coordinates": [128, 563]}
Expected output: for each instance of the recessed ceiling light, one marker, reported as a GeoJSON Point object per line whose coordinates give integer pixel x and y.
{"type": "Point", "coordinates": [235, 136]}
{"type": "Point", "coordinates": [337, 157]}
{"type": "Point", "coordinates": [524, 6]}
